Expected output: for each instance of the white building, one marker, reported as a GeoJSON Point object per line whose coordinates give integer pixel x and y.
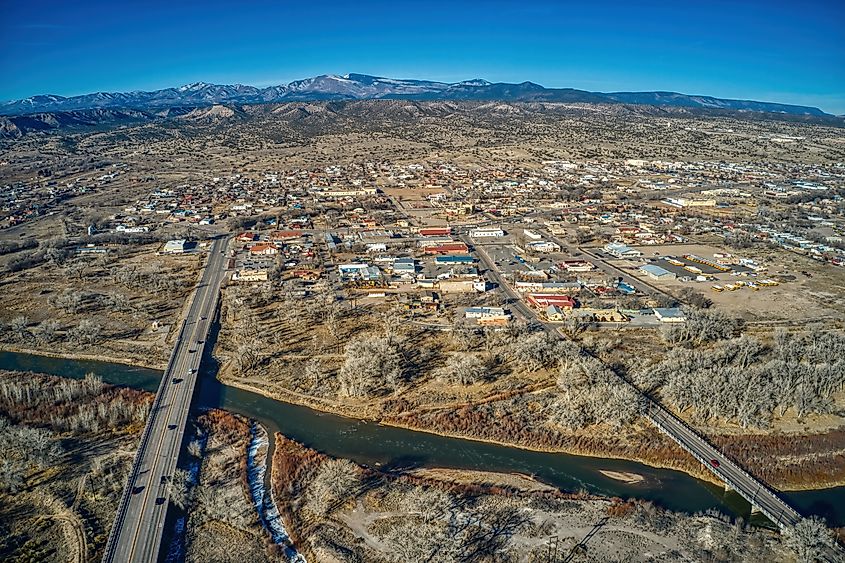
{"type": "Point", "coordinates": [487, 233]}
{"type": "Point", "coordinates": [174, 246]}
{"type": "Point", "coordinates": [620, 250]}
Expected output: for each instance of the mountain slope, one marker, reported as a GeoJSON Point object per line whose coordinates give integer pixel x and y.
{"type": "Point", "coordinates": [361, 86]}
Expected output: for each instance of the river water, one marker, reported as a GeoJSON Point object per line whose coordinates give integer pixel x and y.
{"type": "Point", "coordinates": [387, 447]}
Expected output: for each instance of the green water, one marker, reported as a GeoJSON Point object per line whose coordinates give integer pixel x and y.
{"type": "Point", "coordinates": [372, 444]}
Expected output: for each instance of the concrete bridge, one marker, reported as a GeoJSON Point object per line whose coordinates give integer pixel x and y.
{"type": "Point", "coordinates": [138, 525]}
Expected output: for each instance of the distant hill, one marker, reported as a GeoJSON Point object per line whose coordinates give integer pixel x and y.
{"type": "Point", "coordinates": [330, 87]}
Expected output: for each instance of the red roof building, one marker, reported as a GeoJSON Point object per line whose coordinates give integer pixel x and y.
{"type": "Point", "coordinates": [436, 232]}
{"type": "Point", "coordinates": [543, 300]}
{"type": "Point", "coordinates": [448, 248]}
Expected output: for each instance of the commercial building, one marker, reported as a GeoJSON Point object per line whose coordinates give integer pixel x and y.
{"type": "Point", "coordinates": [487, 233]}
{"type": "Point", "coordinates": [620, 250]}
{"type": "Point", "coordinates": [669, 315]}
{"type": "Point", "coordinates": [655, 272]}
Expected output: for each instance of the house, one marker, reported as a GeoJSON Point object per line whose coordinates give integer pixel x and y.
{"type": "Point", "coordinates": [554, 313]}
{"type": "Point", "coordinates": [247, 237]}
{"type": "Point", "coordinates": [669, 315]}
{"type": "Point", "coordinates": [620, 250]}
{"type": "Point", "coordinates": [655, 272]}
{"type": "Point", "coordinates": [479, 312]}
{"type": "Point", "coordinates": [264, 249]}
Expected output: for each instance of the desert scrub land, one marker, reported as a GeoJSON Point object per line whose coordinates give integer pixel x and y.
{"type": "Point", "coordinates": [338, 511]}
{"type": "Point", "coordinates": [67, 450]}
{"type": "Point", "coordinates": [222, 523]}
{"type": "Point", "coordinates": [119, 305]}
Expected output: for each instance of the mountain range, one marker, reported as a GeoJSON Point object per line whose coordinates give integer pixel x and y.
{"type": "Point", "coordinates": [362, 86]}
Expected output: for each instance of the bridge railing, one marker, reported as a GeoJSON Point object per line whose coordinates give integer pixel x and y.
{"type": "Point", "coordinates": [786, 510]}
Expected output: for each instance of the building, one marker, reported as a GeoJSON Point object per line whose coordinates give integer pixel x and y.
{"type": "Point", "coordinates": [655, 272]}
{"type": "Point", "coordinates": [577, 266]}
{"type": "Point", "coordinates": [620, 250]}
{"type": "Point", "coordinates": [452, 260]}
{"type": "Point", "coordinates": [487, 233]}
{"type": "Point", "coordinates": [544, 246]}
{"type": "Point", "coordinates": [175, 246]}
{"type": "Point", "coordinates": [250, 275]}
{"type": "Point", "coordinates": [448, 248]}
{"type": "Point", "coordinates": [404, 266]}
{"type": "Point", "coordinates": [357, 271]}
{"type": "Point", "coordinates": [436, 232]}
{"type": "Point", "coordinates": [554, 313]}
{"type": "Point", "coordinates": [543, 300]}
{"type": "Point", "coordinates": [523, 286]}
{"type": "Point", "coordinates": [531, 234]}
{"type": "Point", "coordinates": [669, 315]}
{"type": "Point", "coordinates": [264, 249]}
{"type": "Point", "coordinates": [479, 312]}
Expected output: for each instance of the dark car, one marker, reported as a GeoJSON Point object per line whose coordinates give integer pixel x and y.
{"type": "Point", "coordinates": [714, 462]}
{"type": "Point", "coordinates": [160, 500]}
{"type": "Point", "coordinates": [171, 427]}
{"type": "Point", "coordinates": [191, 351]}
{"type": "Point", "coordinates": [176, 380]}
{"type": "Point", "coordinates": [163, 479]}
{"type": "Point", "coordinates": [136, 490]}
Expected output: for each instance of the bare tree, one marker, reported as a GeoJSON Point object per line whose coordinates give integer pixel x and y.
{"type": "Point", "coordinates": [463, 369]}
{"type": "Point", "coordinates": [19, 328]}
{"type": "Point", "coordinates": [809, 539]}
{"type": "Point", "coordinates": [335, 480]}
{"type": "Point", "coordinates": [47, 331]}
{"type": "Point", "coordinates": [372, 365]}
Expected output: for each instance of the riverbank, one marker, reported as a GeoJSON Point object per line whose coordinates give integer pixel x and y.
{"type": "Point", "coordinates": [681, 462]}
{"type": "Point", "coordinates": [130, 362]}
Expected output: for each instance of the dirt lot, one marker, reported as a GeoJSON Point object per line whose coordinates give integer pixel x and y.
{"type": "Point", "coordinates": [798, 297]}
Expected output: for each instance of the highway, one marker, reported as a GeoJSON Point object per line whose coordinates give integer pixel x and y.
{"type": "Point", "coordinates": [137, 530]}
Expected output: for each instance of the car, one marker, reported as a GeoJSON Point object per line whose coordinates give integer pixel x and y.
{"type": "Point", "coordinates": [192, 350]}
{"type": "Point", "coordinates": [160, 501]}
{"type": "Point", "coordinates": [203, 318]}
{"type": "Point", "coordinates": [136, 490]}
{"type": "Point", "coordinates": [177, 380]}
{"type": "Point", "coordinates": [171, 427]}
{"type": "Point", "coordinates": [714, 462]}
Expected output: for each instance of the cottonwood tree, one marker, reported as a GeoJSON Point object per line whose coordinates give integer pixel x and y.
{"type": "Point", "coordinates": [372, 365]}
{"type": "Point", "coordinates": [702, 326]}
{"type": "Point", "coordinates": [463, 369]}
{"type": "Point", "coordinates": [180, 490]}
{"type": "Point", "coordinates": [533, 351]}
{"type": "Point", "coordinates": [86, 332]}
{"type": "Point", "coordinates": [809, 539]}
{"type": "Point", "coordinates": [334, 481]}
{"type": "Point", "coordinates": [47, 331]}
{"type": "Point", "coordinates": [19, 328]}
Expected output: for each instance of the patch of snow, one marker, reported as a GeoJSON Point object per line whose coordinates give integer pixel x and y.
{"type": "Point", "coordinates": [264, 504]}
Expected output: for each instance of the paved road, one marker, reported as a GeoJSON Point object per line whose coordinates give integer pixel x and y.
{"type": "Point", "coordinates": [139, 523]}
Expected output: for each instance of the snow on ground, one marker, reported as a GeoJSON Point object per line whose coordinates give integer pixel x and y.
{"type": "Point", "coordinates": [264, 505]}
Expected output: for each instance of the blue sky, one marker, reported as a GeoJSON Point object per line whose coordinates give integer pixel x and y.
{"type": "Point", "coordinates": [792, 52]}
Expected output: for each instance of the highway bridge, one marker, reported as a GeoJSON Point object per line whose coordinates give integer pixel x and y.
{"type": "Point", "coordinates": [137, 530]}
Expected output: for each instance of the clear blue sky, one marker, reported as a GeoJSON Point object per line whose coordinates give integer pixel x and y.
{"type": "Point", "coordinates": [791, 52]}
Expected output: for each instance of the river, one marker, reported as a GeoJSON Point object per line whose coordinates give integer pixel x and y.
{"type": "Point", "coordinates": [373, 444]}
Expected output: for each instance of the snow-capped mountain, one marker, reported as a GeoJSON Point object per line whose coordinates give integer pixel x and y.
{"type": "Point", "coordinates": [363, 86]}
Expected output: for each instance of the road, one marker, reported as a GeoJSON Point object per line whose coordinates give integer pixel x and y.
{"type": "Point", "coordinates": [139, 523]}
